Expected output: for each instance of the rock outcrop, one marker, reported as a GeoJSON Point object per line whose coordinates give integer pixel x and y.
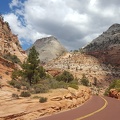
{"type": "Point", "coordinates": [30, 109]}
{"type": "Point", "coordinates": [106, 47]}
{"type": "Point", "coordinates": [6, 68]}
{"type": "Point", "coordinates": [114, 93]}
{"type": "Point", "coordinates": [48, 48]}
{"type": "Point", "coordinates": [9, 42]}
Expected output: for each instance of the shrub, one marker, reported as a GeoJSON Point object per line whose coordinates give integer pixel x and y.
{"type": "Point", "coordinates": [84, 80]}
{"type": "Point", "coordinates": [42, 99]}
{"type": "Point", "coordinates": [16, 74]}
{"type": "Point", "coordinates": [115, 84]}
{"type": "Point", "coordinates": [25, 84]}
{"type": "Point", "coordinates": [40, 88]}
{"type": "Point", "coordinates": [25, 94]}
{"type": "Point", "coordinates": [20, 84]}
{"type": "Point", "coordinates": [65, 76]}
{"type": "Point", "coordinates": [12, 82]}
{"type": "Point", "coordinates": [15, 96]}
{"type": "Point", "coordinates": [12, 58]}
{"type": "Point", "coordinates": [7, 73]}
{"type": "Point", "coordinates": [15, 84]}
{"type": "Point", "coordinates": [54, 84]}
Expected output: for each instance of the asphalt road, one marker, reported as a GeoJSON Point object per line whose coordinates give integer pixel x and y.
{"type": "Point", "coordinates": [97, 108]}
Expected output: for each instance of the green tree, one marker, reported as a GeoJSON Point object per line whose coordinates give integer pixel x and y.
{"type": "Point", "coordinates": [42, 73]}
{"type": "Point", "coordinates": [30, 66]}
{"type": "Point", "coordinates": [65, 76]}
{"type": "Point", "coordinates": [84, 80]}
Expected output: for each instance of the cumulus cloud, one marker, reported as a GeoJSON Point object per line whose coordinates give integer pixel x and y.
{"type": "Point", "coordinates": [73, 22]}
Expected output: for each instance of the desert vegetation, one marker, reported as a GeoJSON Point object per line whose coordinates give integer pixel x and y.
{"type": "Point", "coordinates": [33, 79]}
{"type": "Point", "coordinates": [84, 80]}
{"type": "Point", "coordinates": [114, 85]}
{"type": "Point", "coordinates": [12, 58]}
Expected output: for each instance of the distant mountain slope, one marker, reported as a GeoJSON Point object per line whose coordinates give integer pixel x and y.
{"type": "Point", "coordinates": [106, 47]}
{"type": "Point", "coordinates": [48, 48]}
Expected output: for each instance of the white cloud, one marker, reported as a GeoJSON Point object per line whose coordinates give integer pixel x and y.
{"type": "Point", "coordinates": [15, 3]}
{"type": "Point", "coordinates": [24, 32]}
{"type": "Point", "coordinates": [73, 22]}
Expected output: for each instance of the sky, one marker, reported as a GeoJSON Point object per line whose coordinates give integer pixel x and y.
{"type": "Point", "coordinates": [74, 23]}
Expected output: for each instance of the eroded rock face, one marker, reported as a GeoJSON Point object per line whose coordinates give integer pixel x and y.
{"type": "Point", "coordinates": [30, 109]}
{"type": "Point", "coordinates": [9, 42]}
{"type": "Point", "coordinates": [54, 72]}
{"type": "Point", "coordinates": [106, 47]}
{"type": "Point", "coordinates": [48, 48]}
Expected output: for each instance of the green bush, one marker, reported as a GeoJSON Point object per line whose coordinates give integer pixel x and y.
{"type": "Point", "coordinates": [25, 94]}
{"type": "Point", "coordinates": [25, 84]}
{"type": "Point", "coordinates": [114, 85]}
{"type": "Point", "coordinates": [65, 76]}
{"type": "Point", "coordinates": [16, 74]}
{"type": "Point", "coordinates": [84, 80]}
{"type": "Point", "coordinates": [20, 84]}
{"type": "Point", "coordinates": [40, 88]}
{"type": "Point", "coordinates": [15, 84]}
{"type": "Point", "coordinates": [15, 96]}
{"type": "Point", "coordinates": [42, 99]}
{"type": "Point", "coordinates": [54, 84]}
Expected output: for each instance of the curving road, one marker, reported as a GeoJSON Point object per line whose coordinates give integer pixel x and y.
{"type": "Point", "coordinates": [97, 108]}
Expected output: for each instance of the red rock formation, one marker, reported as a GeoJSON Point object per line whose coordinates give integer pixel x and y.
{"type": "Point", "coordinates": [54, 72]}
{"type": "Point", "coordinates": [110, 56]}
{"type": "Point", "coordinates": [114, 93]}
{"type": "Point", "coordinates": [9, 42]}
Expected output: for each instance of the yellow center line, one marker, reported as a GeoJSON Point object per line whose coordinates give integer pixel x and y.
{"type": "Point", "coordinates": [90, 114]}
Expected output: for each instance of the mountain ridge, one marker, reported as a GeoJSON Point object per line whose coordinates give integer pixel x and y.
{"type": "Point", "coordinates": [48, 48]}
{"type": "Point", "coordinates": [106, 46]}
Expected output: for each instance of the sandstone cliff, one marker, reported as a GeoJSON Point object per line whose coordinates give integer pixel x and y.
{"type": "Point", "coordinates": [106, 47]}
{"type": "Point", "coordinates": [9, 42]}
{"type": "Point", "coordinates": [48, 48]}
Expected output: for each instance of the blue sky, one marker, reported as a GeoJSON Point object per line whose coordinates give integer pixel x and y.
{"type": "Point", "coordinates": [74, 23]}
{"type": "Point", "coordinates": [4, 6]}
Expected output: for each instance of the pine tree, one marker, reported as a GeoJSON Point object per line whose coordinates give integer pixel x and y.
{"type": "Point", "coordinates": [30, 66]}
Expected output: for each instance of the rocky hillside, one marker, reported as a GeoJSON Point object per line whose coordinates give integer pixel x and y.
{"type": "Point", "coordinates": [48, 48]}
{"type": "Point", "coordinates": [79, 64]}
{"type": "Point", "coordinates": [106, 47]}
{"type": "Point", "coordinates": [9, 42]}
{"type": "Point", "coordinates": [9, 46]}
